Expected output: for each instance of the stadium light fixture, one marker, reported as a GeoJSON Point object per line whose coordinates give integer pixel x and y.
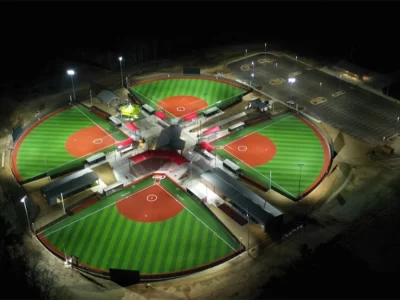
{"type": "Point", "coordinates": [72, 73]}
{"type": "Point", "coordinates": [120, 66]}
{"type": "Point", "coordinates": [292, 80]}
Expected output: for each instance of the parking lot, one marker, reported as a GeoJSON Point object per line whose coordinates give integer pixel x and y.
{"type": "Point", "coordinates": [359, 113]}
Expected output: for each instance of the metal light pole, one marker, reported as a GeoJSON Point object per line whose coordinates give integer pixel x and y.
{"type": "Point", "coordinates": [72, 73]}
{"type": "Point", "coordinates": [252, 64]}
{"type": "Point", "coordinates": [23, 200]}
{"type": "Point", "coordinates": [91, 99]}
{"type": "Point", "coordinates": [190, 166]}
{"type": "Point", "coordinates": [301, 166]}
{"type": "Point", "coordinates": [245, 52]}
{"type": "Point", "coordinates": [291, 81]}
{"type": "Point", "coordinates": [62, 201]}
{"type": "Point", "coordinates": [120, 66]}
{"type": "Point", "coordinates": [252, 78]}
{"type": "Point", "coordinates": [320, 85]}
{"type": "Point", "coordinates": [340, 82]}
{"type": "Point", "coordinates": [248, 231]}
{"type": "Point", "coordinates": [265, 51]}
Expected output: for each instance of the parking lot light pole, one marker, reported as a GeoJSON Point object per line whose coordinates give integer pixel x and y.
{"type": "Point", "coordinates": [340, 82]}
{"type": "Point", "coordinates": [245, 52]}
{"type": "Point", "coordinates": [291, 81]}
{"type": "Point", "coordinates": [252, 78]}
{"type": "Point", "coordinates": [120, 66]}
{"type": "Point", "coordinates": [320, 85]}
{"type": "Point", "coordinates": [72, 73]}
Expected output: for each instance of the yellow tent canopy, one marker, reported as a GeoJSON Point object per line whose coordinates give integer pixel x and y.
{"type": "Point", "coordinates": [130, 110]}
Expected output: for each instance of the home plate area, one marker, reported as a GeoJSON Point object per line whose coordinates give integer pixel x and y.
{"type": "Point", "coordinates": [151, 204]}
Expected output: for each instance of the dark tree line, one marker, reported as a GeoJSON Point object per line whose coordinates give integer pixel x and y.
{"type": "Point", "coordinates": [330, 271]}
{"type": "Point", "coordinates": [23, 277]}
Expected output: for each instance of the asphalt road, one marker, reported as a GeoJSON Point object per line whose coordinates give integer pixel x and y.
{"type": "Point", "coordinates": [359, 113]}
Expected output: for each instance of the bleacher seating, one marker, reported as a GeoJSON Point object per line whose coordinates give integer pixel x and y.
{"type": "Point", "coordinates": [171, 155]}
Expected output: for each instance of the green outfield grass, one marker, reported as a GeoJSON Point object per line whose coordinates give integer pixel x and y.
{"type": "Point", "coordinates": [296, 144]}
{"type": "Point", "coordinates": [208, 90]}
{"type": "Point", "coordinates": [102, 238]}
{"type": "Point", "coordinates": [43, 148]}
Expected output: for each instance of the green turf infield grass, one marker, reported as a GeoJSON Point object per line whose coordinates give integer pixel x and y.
{"type": "Point", "coordinates": [43, 149]}
{"type": "Point", "coordinates": [102, 238]}
{"type": "Point", "coordinates": [209, 90]}
{"type": "Point", "coordinates": [296, 144]}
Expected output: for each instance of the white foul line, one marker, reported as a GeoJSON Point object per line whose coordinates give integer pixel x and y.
{"type": "Point", "coordinates": [95, 212]}
{"type": "Point", "coordinates": [198, 218]}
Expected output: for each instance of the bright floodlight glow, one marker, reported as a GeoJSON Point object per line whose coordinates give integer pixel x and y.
{"type": "Point", "coordinates": [291, 80]}
{"type": "Point", "coordinates": [120, 58]}
{"type": "Point", "coordinates": [23, 199]}
{"type": "Point", "coordinates": [71, 72]}
{"type": "Point", "coordinates": [252, 74]}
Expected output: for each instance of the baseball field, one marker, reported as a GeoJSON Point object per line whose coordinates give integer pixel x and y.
{"type": "Point", "coordinates": [182, 96]}
{"type": "Point", "coordinates": [61, 141]}
{"type": "Point", "coordinates": [152, 226]}
{"type": "Point", "coordinates": [287, 151]}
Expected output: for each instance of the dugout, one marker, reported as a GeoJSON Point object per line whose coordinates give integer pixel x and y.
{"type": "Point", "coordinates": [112, 188]}
{"type": "Point", "coordinates": [236, 127]}
{"type": "Point", "coordinates": [94, 159]}
{"type": "Point", "coordinates": [148, 109]}
{"type": "Point", "coordinates": [243, 199]}
{"type": "Point", "coordinates": [69, 185]}
{"type": "Point", "coordinates": [235, 169]}
{"type": "Point", "coordinates": [211, 111]}
{"type": "Point", "coordinates": [115, 121]}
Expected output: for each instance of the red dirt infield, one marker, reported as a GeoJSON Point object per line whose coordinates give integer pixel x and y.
{"type": "Point", "coordinates": [180, 106]}
{"type": "Point", "coordinates": [152, 204]}
{"type": "Point", "coordinates": [253, 149]}
{"type": "Point", "coordinates": [88, 140]}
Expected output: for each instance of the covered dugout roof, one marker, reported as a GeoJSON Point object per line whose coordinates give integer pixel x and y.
{"type": "Point", "coordinates": [242, 197]}
{"type": "Point", "coordinates": [68, 184]}
{"type": "Point", "coordinates": [106, 96]}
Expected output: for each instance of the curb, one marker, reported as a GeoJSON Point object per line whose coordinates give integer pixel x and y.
{"type": "Point", "coordinates": [340, 188]}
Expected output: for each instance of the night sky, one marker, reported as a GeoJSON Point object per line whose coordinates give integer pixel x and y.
{"type": "Point", "coordinates": [45, 33]}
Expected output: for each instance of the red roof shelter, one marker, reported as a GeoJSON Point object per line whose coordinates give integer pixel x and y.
{"type": "Point", "coordinates": [131, 126]}
{"type": "Point", "coordinates": [211, 130]}
{"type": "Point", "coordinates": [125, 143]}
{"type": "Point", "coordinates": [207, 146]}
{"type": "Point", "coordinates": [160, 115]}
{"type": "Point", "coordinates": [190, 116]}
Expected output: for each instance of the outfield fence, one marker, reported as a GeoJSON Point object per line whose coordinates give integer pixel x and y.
{"type": "Point", "coordinates": [134, 81]}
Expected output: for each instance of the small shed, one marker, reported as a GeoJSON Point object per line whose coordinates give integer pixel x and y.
{"type": "Point", "coordinates": [107, 96]}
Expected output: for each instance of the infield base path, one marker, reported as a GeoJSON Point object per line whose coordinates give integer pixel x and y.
{"type": "Point", "coordinates": [253, 149]}
{"type": "Point", "coordinates": [180, 106]}
{"type": "Point", "coordinates": [152, 204]}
